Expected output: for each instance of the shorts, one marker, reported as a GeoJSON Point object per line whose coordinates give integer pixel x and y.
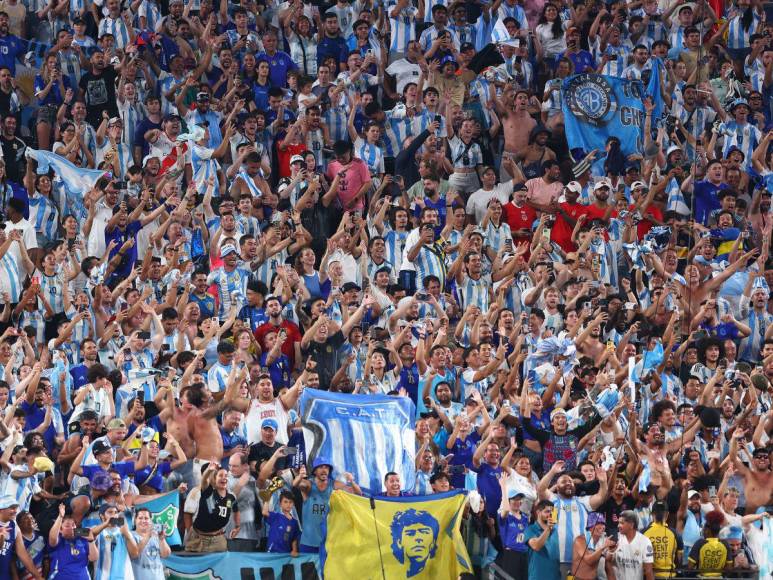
{"type": "Point", "coordinates": [46, 114]}
{"type": "Point", "coordinates": [464, 183]}
{"type": "Point", "coordinates": [197, 542]}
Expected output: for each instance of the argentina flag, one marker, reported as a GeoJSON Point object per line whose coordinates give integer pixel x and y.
{"type": "Point", "coordinates": [597, 107]}
{"type": "Point", "coordinates": [69, 181]}
{"type": "Point", "coordinates": [365, 435]}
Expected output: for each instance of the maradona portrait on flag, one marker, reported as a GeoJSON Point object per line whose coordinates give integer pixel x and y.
{"type": "Point", "coordinates": [408, 537]}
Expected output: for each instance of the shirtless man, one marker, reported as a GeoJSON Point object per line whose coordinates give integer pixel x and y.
{"type": "Point", "coordinates": [656, 451]}
{"type": "Point", "coordinates": [517, 123]}
{"type": "Point", "coordinates": [589, 342]}
{"type": "Point", "coordinates": [202, 421]}
{"type": "Point", "coordinates": [536, 152]}
{"type": "Point", "coordinates": [757, 478]}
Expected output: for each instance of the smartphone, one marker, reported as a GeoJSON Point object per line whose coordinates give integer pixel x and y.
{"type": "Point", "coordinates": [438, 119]}
{"type": "Point", "coordinates": [612, 57]}
{"type": "Point", "coordinates": [82, 532]}
{"type": "Point", "coordinates": [144, 335]}
{"type": "Point", "coordinates": [421, 296]}
{"type": "Point", "coordinates": [141, 396]}
{"type": "Point", "coordinates": [127, 354]}
{"type": "Point", "coordinates": [290, 451]}
{"type": "Point", "coordinates": [119, 521]}
{"type": "Point", "coordinates": [712, 491]}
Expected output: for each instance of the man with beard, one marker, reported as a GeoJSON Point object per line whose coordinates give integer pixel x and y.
{"type": "Point", "coordinates": [572, 511]}
{"type": "Point", "coordinates": [230, 280]}
{"type": "Point", "coordinates": [655, 451]}
{"type": "Point", "coordinates": [559, 444]}
{"type": "Point", "coordinates": [97, 89]}
{"type": "Point", "coordinates": [248, 180]}
{"type": "Point", "coordinates": [291, 347]}
{"type": "Point", "coordinates": [757, 318]}
{"type": "Point", "coordinates": [89, 357]}
{"type": "Point", "coordinates": [316, 501]}
{"type": "Point", "coordinates": [536, 152]}
{"type": "Point", "coordinates": [545, 189]}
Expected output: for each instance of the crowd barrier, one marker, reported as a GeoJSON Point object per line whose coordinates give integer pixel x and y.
{"type": "Point", "coordinates": [242, 566]}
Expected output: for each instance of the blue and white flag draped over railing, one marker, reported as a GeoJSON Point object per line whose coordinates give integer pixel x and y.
{"type": "Point", "coordinates": [597, 107]}
{"type": "Point", "coordinates": [365, 435]}
{"type": "Point", "coordinates": [71, 181]}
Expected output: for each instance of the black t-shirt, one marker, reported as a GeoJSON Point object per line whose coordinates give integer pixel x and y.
{"type": "Point", "coordinates": [99, 93]}
{"type": "Point", "coordinates": [13, 153]}
{"type": "Point", "coordinates": [260, 452]}
{"type": "Point", "coordinates": [214, 510]}
{"type": "Point", "coordinates": [612, 510]}
{"type": "Point", "coordinates": [325, 354]}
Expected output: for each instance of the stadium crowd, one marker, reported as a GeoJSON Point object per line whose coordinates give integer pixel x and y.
{"type": "Point", "coordinates": [380, 198]}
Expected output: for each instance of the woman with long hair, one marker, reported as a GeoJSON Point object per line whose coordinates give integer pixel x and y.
{"type": "Point", "coordinates": [550, 32]}
{"type": "Point", "coordinates": [50, 86]}
{"type": "Point", "coordinates": [72, 146]}
{"type": "Point", "coordinates": [44, 211]}
{"type": "Point", "coordinates": [303, 43]}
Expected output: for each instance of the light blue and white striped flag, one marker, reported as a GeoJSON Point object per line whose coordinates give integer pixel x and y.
{"type": "Point", "coordinates": [73, 182]}
{"type": "Point", "coordinates": [365, 435]}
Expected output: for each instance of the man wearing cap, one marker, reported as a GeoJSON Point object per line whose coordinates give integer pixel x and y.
{"type": "Point", "coordinates": [202, 113]}
{"type": "Point", "coordinates": [316, 501]}
{"type": "Point", "coordinates": [514, 557]}
{"type": "Point", "coordinates": [738, 132]}
{"type": "Point", "coordinates": [230, 280]}
{"type": "Point", "coordinates": [666, 543]}
{"type": "Point", "coordinates": [590, 547]}
{"type": "Point", "coordinates": [12, 542]}
{"type": "Point", "coordinates": [567, 213]}
{"type": "Point", "coordinates": [111, 149]}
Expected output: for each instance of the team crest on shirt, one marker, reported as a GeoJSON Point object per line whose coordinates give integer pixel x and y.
{"type": "Point", "coordinates": [228, 504]}
{"type": "Point", "coordinates": [589, 97]}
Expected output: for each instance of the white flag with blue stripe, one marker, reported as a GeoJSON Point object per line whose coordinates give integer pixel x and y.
{"type": "Point", "coordinates": [365, 435]}
{"type": "Point", "coordinates": [74, 181]}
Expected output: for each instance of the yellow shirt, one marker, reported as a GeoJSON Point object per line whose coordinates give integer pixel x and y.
{"type": "Point", "coordinates": [666, 547]}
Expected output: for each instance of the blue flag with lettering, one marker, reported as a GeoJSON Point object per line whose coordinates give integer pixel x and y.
{"type": "Point", "coordinates": [597, 107]}
{"type": "Point", "coordinates": [365, 435]}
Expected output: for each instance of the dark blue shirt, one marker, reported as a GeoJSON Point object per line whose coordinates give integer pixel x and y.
{"type": "Point", "coordinates": [511, 530]}
{"type": "Point", "coordinates": [70, 559]}
{"type": "Point", "coordinates": [230, 440]}
{"type": "Point", "coordinates": [279, 370]}
{"type": "Point", "coordinates": [54, 96]}
{"type": "Point", "coordinates": [335, 47]}
{"type": "Point", "coordinates": [206, 305]}
{"type": "Point", "coordinates": [409, 380]}
{"type": "Point", "coordinates": [139, 134]}
{"type": "Point", "coordinates": [581, 60]}
{"type": "Point", "coordinates": [260, 96]}
{"type": "Point", "coordinates": [488, 486]}
{"type": "Point", "coordinates": [463, 451]}
{"type": "Point", "coordinates": [130, 256]}
{"type": "Point", "coordinates": [706, 199]}
{"type": "Point", "coordinates": [11, 47]}
{"type": "Point", "coordinates": [255, 315]}
{"type": "Point", "coordinates": [279, 65]}
{"type": "Point", "coordinates": [281, 532]}
{"type": "Point", "coordinates": [79, 374]}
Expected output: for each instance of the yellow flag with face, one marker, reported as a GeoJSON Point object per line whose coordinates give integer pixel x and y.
{"type": "Point", "coordinates": [413, 537]}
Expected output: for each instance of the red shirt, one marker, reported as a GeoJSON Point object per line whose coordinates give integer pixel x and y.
{"type": "Point", "coordinates": [519, 218]}
{"type": "Point", "coordinates": [562, 229]}
{"type": "Point", "coordinates": [645, 225]}
{"type": "Point", "coordinates": [283, 157]}
{"type": "Point", "coordinates": [293, 336]}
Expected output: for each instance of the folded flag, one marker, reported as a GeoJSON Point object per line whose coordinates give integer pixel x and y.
{"type": "Point", "coordinates": [164, 510]}
{"type": "Point", "coordinates": [405, 537]}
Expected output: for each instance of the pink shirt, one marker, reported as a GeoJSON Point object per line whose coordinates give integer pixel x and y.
{"type": "Point", "coordinates": [356, 175]}
{"type": "Point", "coordinates": [542, 192]}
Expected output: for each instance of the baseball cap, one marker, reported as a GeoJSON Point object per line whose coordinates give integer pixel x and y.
{"type": "Point", "coordinates": [466, 46]}
{"type": "Point", "coordinates": [8, 501]}
{"type": "Point", "coordinates": [202, 96]}
{"type": "Point", "coordinates": [116, 424]}
{"type": "Point", "coordinates": [574, 186]}
{"type": "Point", "coordinates": [148, 157]}
{"type": "Point", "coordinates": [114, 121]}
{"type": "Point", "coordinates": [172, 117]}
{"type": "Point", "coordinates": [270, 424]}
{"type": "Point", "coordinates": [637, 184]}
{"type": "Point", "coordinates": [296, 159]}
{"type": "Point", "coordinates": [350, 286]}
{"type": "Point", "coordinates": [100, 447]}
{"type": "Point", "coordinates": [228, 249]}
{"type": "Point", "coordinates": [692, 493]}
{"type": "Point", "coordinates": [514, 494]}
{"type": "Point", "coordinates": [594, 519]}
{"type": "Point", "coordinates": [602, 183]}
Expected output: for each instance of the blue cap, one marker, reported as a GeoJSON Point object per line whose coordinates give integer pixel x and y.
{"type": "Point", "coordinates": [270, 423]}
{"type": "Point", "coordinates": [319, 462]}
{"type": "Point", "coordinates": [8, 501]}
